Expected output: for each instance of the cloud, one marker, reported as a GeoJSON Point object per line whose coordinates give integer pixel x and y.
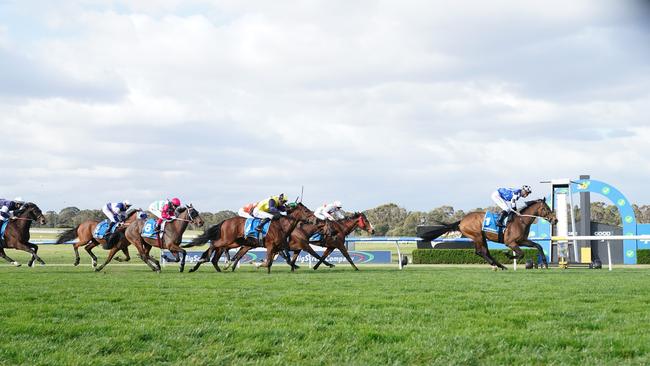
{"type": "Point", "coordinates": [226, 102]}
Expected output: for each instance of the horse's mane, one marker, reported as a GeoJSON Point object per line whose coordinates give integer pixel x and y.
{"type": "Point", "coordinates": [131, 211]}
{"type": "Point", "coordinates": [25, 207]}
{"type": "Point", "coordinates": [529, 204]}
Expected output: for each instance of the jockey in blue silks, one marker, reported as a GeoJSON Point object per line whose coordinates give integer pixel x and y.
{"type": "Point", "coordinates": [506, 199]}
{"type": "Point", "coordinates": [7, 208]}
{"type": "Point", "coordinates": [116, 212]}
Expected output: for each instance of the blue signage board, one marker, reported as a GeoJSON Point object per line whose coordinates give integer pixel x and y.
{"type": "Point", "coordinates": [258, 255]}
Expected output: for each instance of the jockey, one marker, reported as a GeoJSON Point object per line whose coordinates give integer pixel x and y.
{"type": "Point", "coordinates": [7, 208]}
{"type": "Point", "coordinates": [506, 199]}
{"type": "Point", "coordinates": [269, 208]}
{"type": "Point", "coordinates": [330, 211]}
{"type": "Point", "coordinates": [165, 210]}
{"type": "Point", "coordinates": [116, 212]}
{"type": "Point", "coordinates": [247, 211]}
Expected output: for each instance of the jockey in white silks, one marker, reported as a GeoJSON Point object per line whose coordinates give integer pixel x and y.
{"type": "Point", "coordinates": [331, 211]}
{"type": "Point", "coordinates": [116, 212]}
{"type": "Point", "coordinates": [506, 199]}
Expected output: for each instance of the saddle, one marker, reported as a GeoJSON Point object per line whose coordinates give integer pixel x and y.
{"type": "Point", "coordinates": [101, 230]}
{"type": "Point", "coordinates": [251, 232]}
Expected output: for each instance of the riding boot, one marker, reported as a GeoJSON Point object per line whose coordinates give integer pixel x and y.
{"type": "Point", "coordinates": [501, 219]}
{"type": "Point", "coordinates": [110, 229]}
{"type": "Point", "coordinates": [261, 225]}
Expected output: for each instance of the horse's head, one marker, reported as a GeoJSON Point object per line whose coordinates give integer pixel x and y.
{"type": "Point", "coordinates": [190, 214]}
{"type": "Point", "coordinates": [30, 211]}
{"type": "Point", "coordinates": [363, 223]}
{"type": "Point", "coordinates": [540, 208]}
{"type": "Point", "coordinates": [299, 211]}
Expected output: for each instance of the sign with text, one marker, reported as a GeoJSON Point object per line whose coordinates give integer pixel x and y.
{"type": "Point", "coordinates": [336, 257]}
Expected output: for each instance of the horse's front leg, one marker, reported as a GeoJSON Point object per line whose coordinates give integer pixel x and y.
{"type": "Point", "coordinates": [540, 251]}
{"type": "Point", "coordinates": [33, 249]}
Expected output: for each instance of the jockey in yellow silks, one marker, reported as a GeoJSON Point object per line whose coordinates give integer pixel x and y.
{"type": "Point", "coordinates": [269, 208]}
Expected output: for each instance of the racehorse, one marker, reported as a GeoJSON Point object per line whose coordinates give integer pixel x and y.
{"type": "Point", "coordinates": [171, 239]}
{"type": "Point", "coordinates": [84, 232]}
{"type": "Point", "coordinates": [229, 234]}
{"type": "Point", "coordinates": [344, 228]}
{"type": "Point", "coordinates": [515, 234]}
{"type": "Point", "coordinates": [298, 240]}
{"type": "Point", "coordinates": [17, 233]}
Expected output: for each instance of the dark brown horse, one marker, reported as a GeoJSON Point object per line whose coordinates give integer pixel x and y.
{"type": "Point", "coordinates": [299, 238]}
{"type": "Point", "coordinates": [171, 240]}
{"type": "Point", "coordinates": [84, 232]}
{"type": "Point", "coordinates": [229, 234]}
{"type": "Point", "coordinates": [343, 228]}
{"type": "Point", "coordinates": [514, 236]}
{"type": "Point", "coordinates": [17, 233]}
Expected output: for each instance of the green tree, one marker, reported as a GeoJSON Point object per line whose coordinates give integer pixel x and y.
{"type": "Point", "coordinates": [67, 217]}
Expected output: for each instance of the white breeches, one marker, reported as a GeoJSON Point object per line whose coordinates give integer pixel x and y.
{"type": "Point", "coordinates": [503, 204]}
{"type": "Point", "coordinates": [108, 214]}
{"type": "Point", "coordinates": [261, 214]}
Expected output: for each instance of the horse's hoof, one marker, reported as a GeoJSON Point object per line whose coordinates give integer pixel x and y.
{"type": "Point", "coordinates": [495, 268]}
{"type": "Point", "coordinates": [16, 264]}
{"type": "Point", "coordinates": [97, 269]}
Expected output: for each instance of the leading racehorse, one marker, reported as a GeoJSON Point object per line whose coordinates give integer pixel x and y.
{"type": "Point", "coordinates": [17, 233]}
{"type": "Point", "coordinates": [171, 239]}
{"type": "Point", "coordinates": [514, 236]}
{"type": "Point", "coordinates": [84, 232]}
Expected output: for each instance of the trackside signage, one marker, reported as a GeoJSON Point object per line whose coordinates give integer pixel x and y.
{"type": "Point", "coordinates": [358, 257]}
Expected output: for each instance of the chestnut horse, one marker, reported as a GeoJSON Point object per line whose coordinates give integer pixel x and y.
{"type": "Point", "coordinates": [343, 227]}
{"type": "Point", "coordinates": [84, 232]}
{"type": "Point", "coordinates": [515, 234]}
{"type": "Point", "coordinates": [17, 233]}
{"type": "Point", "coordinates": [229, 234]}
{"type": "Point", "coordinates": [298, 240]}
{"type": "Point", "coordinates": [171, 240]}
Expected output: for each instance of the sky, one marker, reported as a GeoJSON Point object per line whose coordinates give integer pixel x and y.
{"type": "Point", "coordinates": [221, 103]}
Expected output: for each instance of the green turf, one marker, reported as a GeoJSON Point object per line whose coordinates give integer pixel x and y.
{"type": "Point", "coordinates": [423, 315]}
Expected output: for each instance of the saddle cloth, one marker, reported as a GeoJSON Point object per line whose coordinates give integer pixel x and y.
{"type": "Point", "coordinates": [149, 229]}
{"type": "Point", "coordinates": [490, 222]}
{"type": "Point", "coordinates": [101, 230]}
{"type": "Point", "coordinates": [251, 225]}
{"type": "Point", "coordinates": [3, 229]}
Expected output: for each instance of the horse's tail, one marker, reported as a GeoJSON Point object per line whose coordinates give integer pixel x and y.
{"type": "Point", "coordinates": [435, 233]}
{"type": "Point", "coordinates": [212, 233]}
{"type": "Point", "coordinates": [67, 235]}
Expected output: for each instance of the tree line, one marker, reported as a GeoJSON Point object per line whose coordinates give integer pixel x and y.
{"type": "Point", "coordinates": [388, 219]}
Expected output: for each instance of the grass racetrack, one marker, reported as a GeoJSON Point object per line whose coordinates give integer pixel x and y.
{"type": "Point", "coordinates": [422, 315]}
